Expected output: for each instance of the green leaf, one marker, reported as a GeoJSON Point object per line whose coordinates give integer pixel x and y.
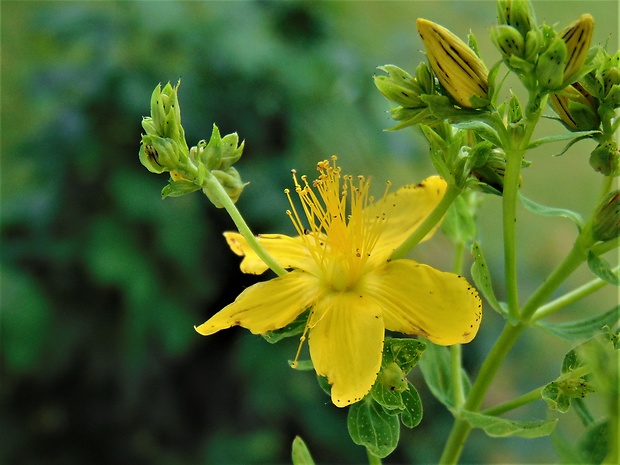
{"type": "Point", "coordinates": [595, 442]}
{"type": "Point", "coordinates": [294, 328]}
{"type": "Point", "coordinates": [483, 130]}
{"type": "Point", "coordinates": [412, 414]}
{"type": "Point", "coordinates": [178, 188]}
{"type": "Point", "coordinates": [405, 352]}
{"type": "Point", "coordinates": [435, 366]}
{"type": "Point", "coordinates": [583, 329]}
{"type": "Point", "coordinates": [482, 278]}
{"type": "Point", "coordinates": [543, 210]}
{"type": "Point", "coordinates": [500, 427]}
{"type": "Point", "coordinates": [371, 426]}
{"type": "Point", "coordinates": [300, 453]}
{"type": "Point", "coordinates": [572, 136]}
{"type": "Point", "coordinates": [601, 268]}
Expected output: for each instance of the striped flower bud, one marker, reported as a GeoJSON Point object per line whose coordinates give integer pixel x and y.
{"type": "Point", "coordinates": [459, 70]}
{"type": "Point", "coordinates": [508, 40]}
{"type": "Point", "coordinates": [516, 13]}
{"type": "Point", "coordinates": [577, 37]}
{"type": "Point", "coordinates": [606, 224]}
{"type": "Point", "coordinates": [576, 107]}
{"type": "Point", "coordinates": [605, 158]}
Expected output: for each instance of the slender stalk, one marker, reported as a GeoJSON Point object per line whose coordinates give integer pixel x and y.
{"type": "Point", "coordinates": [429, 223]}
{"type": "Point", "coordinates": [456, 357]}
{"type": "Point", "coordinates": [372, 458]}
{"type": "Point", "coordinates": [216, 189]}
{"type": "Point", "coordinates": [517, 402]}
{"type": "Point", "coordinates": [569, 298]}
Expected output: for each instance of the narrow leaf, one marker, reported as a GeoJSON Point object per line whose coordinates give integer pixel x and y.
{"type": "Point", "coordinates": [500, 427]}
{"type": "Point", "coordinates": [371, 426]}
{"type": "Point", "coordinates": [543, 210]}
{"type": "Point", "coordinates": [582, 329]}
{"type": "Point", "coordinates": [561, 137]}
{"type": "Point", "coordinates": [601, 268]}
{"type": "Point", "coordinates": [300, 453]}
{"type": "Point", "coordinates": [482, 277]}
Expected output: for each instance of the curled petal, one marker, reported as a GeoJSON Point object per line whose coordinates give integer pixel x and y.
{"type": "Point", "coordinates": [346, 344]}
{"type": "Point", "coordinates": [418, 299]}
{"type": "Point", "coordinates": [266, 306]}
{"type": "Point", "coordinates": [290, 252]}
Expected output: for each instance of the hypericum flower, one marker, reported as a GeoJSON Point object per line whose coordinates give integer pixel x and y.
{"type": "Point", "coordinates": [341, 268]}
{"type": "Point", "coordinates": [457, 66]}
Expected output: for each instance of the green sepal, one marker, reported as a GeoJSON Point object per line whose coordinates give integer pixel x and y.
{"type": "Point", "coordinates": [580, 330]}
{"type": "Point", "coordinates": [294, 328]}
{"type": "Point", "coordinates": [371, 426]}
{"type": "Point", "coordinates": [482, 278]}
{"type": "Point", "coordinates": [543, 210]}
{"type": "Point", "coordinates": [405, 352]}
{"type": "Point", "coordinates": [500, 427]}
{"type": "Point", "coordinates": [178, 188]}
{"type": "Point", "coordinates": [300, 454]}
{"type": "Point", "coordinates": [550, 65]}
{"type": "Point", "coordinates": [602, 269]}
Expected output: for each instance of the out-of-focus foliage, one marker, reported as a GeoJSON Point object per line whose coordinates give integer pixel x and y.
{"type": "Point", "coordinates": [102, 281]}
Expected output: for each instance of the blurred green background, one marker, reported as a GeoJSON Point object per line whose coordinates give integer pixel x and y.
{"type": "Point", "coordinates": [102, 281]}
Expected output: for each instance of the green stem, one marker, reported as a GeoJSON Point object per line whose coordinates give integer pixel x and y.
{"type": "Point", "coordinates": [372, 458]}
{"type": "Point", "coordinates": [429, 222]}
{"type": "Point", "coordinates": [517, 402]}
{"type": "Point", "coordinates": [456, 357]}
{"type": "Point", "coordinates": [509, 201]}
{"type": "Point", "coordinates": [569, 298]}
{"type": "Point", "coordinates": [216, 189]}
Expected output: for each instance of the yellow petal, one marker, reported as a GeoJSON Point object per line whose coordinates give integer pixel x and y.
{"type": "Point", "coordinates": [346, 344]}
{"type": "Point", "coordinates": [289, 252]}
{"type": "Point", "coordinates": [405, 210]}
{"type": "Point", "coordinates": [266, 306]}
{"type": "Point", "coordinates": [418, 299]}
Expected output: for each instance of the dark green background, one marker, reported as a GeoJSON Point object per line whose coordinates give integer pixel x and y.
{"type": "Point", "coordinates": [102, 281]}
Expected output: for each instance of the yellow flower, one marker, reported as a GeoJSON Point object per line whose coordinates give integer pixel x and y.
{"type": "Point", "coordinates": [341, 268]}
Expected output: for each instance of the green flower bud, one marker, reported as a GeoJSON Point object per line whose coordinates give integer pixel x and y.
{"type": "Point", "coordinates": [220, 153]}
{"type": "Point", "coordinates": [230, 180]}
{"type": "Point", "coordinates": [516, 13]}
{"type": "Point", "coordinates": [159, 154]}
{"type": "Point", "coordinates": [606, 224]}
{"type": "Point", "coordinates": [576, 107]}
{"type": "Point", "coordinates": [424, 78]}
{"type": "Point", "coordinates": [459, 70]}
{"type": "Point", "coordinates": [508, 40]}
{"type": "Point", "coordinates": [166, 112]}
{"type": "Point", "coordinates": [611, 73]}
{"type": "Point", "coordinates": [577, 37]}
{"type": "Point", "coordinates": [551, 64]}
{"type": "Point", "coordinates": [393, 378]}
{"type": "Point", "coordinates": [490, 173]}
{"type": "Point", "coordinates": [399, 87]}
{"type": "Point", "coordinates": [605, 159]}
{"type": "Point", "coordinates": [533, 41]}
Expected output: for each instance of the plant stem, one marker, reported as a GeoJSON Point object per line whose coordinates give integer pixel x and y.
{"type": "Point", "coordinates": [517, 402]}
{"type": "Point", "coordinates": [452, 192]}
{"type": "Point", "coordinates": [216, 189]}
{"type": "Point", "coordinates": [372, 458]}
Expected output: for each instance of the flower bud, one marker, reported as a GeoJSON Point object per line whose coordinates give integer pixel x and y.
{"type": "Point", "coordinates": [220, 153]}
{"type": "Point", "coordinates": [533, 41]}
{"type": "Point", "coordinates": [230, 180]}
{"type": "Point", "coordinates": [459, 70]}
{"type": "Point", "coordinates": [577, 37]}
{"type": "Point", "coordinates": [551, 64]}
{"type": "Point", "coordinates": [516, 13]}
{"type": "Point", "coordinates": [576, 107]}
{"type": "Point", "coordinates": [605, 158]}
{"type": "Point", "coordinates": [393, 378]}
{"type": "Point", "coordinates": [606, 224]}
{"type": "Point", "coordinates": [508, 40]}
{"type": "Point", "coordinates": [166, 112]}
{"type": "Point", "coordinates": [399, 87]}
{"type": "Point", "coordinates": [491, 172]}
{"type": "Point", "coordinates": [159, 154]}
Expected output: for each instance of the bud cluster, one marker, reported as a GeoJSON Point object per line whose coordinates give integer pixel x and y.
{"type": "Point", "coordinates": [164, 149]}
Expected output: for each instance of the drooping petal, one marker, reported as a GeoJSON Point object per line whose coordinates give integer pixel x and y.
{"type": "Point", "coordinates": [289, 252]}
{"type": "Point", "coordinates": [418, 299]}
{"type": "Point", "coordinates": [266, 306]}
{"type": "Point", "coordinates": [404, 210]}
{"type": "Point", "coordinates": [346, 344]}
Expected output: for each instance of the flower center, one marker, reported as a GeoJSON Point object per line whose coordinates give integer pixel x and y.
{"type": "Point", "coordinates": [338, 235]}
